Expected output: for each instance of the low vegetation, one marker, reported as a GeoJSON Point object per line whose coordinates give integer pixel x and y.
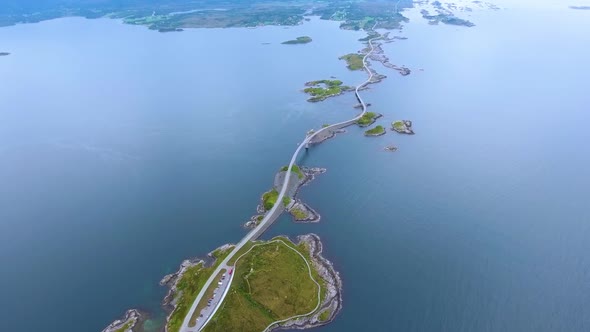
{"type": "Point", "coordinates": [298, 213]}
{"type": "Point", "coordinates": [286, 200]}
{"type": "Point", "coordinates": [295, 169]}
{"type": "Point", "coordinates": [298, 40]}
{"type": "Point", "coordinates": [269, 199]}
{"type": "Point", "coordinates": [378, 130]}
{"type": "Point", "coordinates": [367, 119]}
{"type": "Point", "coordinates": [188, 288]}
{"type": "Point", "coordinates": [124, 327]}
{"type": "Point", "coordinates": [322, 89]}
{"type": "Point", "coordinates": [399, 125]}
{"type": "Point", "coordinates": [354, 61]}
{"type": "Point", "coordinates": [325, 315]}
{"type": "Point", "coordinates": [271, 283]}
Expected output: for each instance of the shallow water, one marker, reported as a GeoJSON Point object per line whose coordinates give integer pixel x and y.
{"type": "Point", "coordinates": [124, 151]}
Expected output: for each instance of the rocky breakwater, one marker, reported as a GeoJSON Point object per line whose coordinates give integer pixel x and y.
{"type": "Point", "coordinates": [403, 127]}
{"type": "Point", "coordinates": [332, 298]}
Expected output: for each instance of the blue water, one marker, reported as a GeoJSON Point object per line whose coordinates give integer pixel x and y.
{"type": "Point", "coordinates": [120, 148]}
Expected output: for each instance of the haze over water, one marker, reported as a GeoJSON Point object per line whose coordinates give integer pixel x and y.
{"type": "Point", "coordinates": [120, 148]}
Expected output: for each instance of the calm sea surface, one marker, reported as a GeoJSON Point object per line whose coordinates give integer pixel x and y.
{"type": "Point", "coordinates": [124, 151]}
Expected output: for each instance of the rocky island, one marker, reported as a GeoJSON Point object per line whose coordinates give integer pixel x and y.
{"type": "Point", "coordinates": [300, 211]}
{"type": "Point", "coordinates": [4, 53]}
{"type": "Point", "coordinates": [403, 127]}
{"type": "Point", "coordinates": [274, 280]}
{"type": "Point", "coordinates": [298, 40]}
{"type": "Point", "coordinates": [322, 89]}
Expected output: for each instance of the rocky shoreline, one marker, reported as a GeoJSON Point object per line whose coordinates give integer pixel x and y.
{"type": "Point", "coordinates": [303, 211]}
{"type": "Point", "coordinates": [332, 301]}
{"type": "Point", "coordinates": [131, 322]}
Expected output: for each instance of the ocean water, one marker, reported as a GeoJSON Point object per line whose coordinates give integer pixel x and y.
{"type": "Point", "coordinates": [124, 151]}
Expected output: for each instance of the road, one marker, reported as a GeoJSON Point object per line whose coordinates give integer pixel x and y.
{"type": "Point", "coordinates": [270, 217]}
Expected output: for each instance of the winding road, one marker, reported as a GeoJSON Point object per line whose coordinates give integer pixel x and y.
{"type": "Point", "coordinates": [270, 217]}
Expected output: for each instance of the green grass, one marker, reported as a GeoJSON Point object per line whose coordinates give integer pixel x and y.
{"type": "Point", "coordinates": [124, 327]}
{"type": "Point", "coordinates": [322, 89]}
{"type": "Point", "coordinates": [189, 286]}
{"type": "Point", "coordinates": [294, 169]}
{"type": "Point", "coordinates": [259, 218]}
{"type": "Point", "coordinates": [367, 118]}
{"type": "Point", "coordinates": [242, 250]}
{"type": "Point", "coordinates": [324, 315]}
{"type": "Point", "coordinates": [325, 125]}
{"type": "Point", "coordinates": [271, 283]}
{"type": "Point", "coordinates": [375, 131]}
{"type": "Point", "coordinates": [298, 213]}
{"type": "Point", "coordinates": [399, 125]}
{"type": "Point", "coordinates": [286, 200]}
{"type": "Point", "coordinates": [298, 40]}
{"type": "Point", "coordinates": [354, 61]}
{"type": "Point", "coordinates": [269, 199]}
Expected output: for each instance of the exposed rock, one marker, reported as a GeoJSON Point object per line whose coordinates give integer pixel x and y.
{"type": "Point", "coordinates": [302, 212]}
{"type": "Point", "coordinates": [403, 127]}
{"type": "Point", "coordinates": [391, 148]}
{"type": "Point", "coordinates": [131, 322]}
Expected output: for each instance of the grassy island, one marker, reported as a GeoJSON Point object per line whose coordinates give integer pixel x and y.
{"type": "Point", "coordinates": [322, 89]}
{"type": "Point", "coordinates": [367, 119]}
{"type": "Point", "coordinates": [354, 61]}
{"type": "Point", "coordinates": [295, 169]}
{"type": "Point", "coordinates": [378, 130]}
{"type": "Point", "coordinates": [271, 283]}
{"type": "Point", "coordinates": [298, 40]}
{"type": "Point", "coordinates": [188, 287]}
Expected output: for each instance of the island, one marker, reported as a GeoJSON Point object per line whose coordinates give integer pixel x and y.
{"type": "Point", "coordinates": [402, 127]}
{"type": "Point", "coordinates": [354, 61]}
{"type": "Point", "coordinates": [268, 285]}
{"type": "Point", "coordinates": [322, 89]}
{"type": "Point", "coordinates": [390, 148]}
{"type": "Point", "coordinates": [300, 211]}
{"type": "Point", "coordinates": [377, 131]}
{"type": "Point", "coordinates": [4, 53]}
{"type": "Point", "coordinates": [446, 18]}
{"type": "Point", "coordinates": [298, 40]}
{"type": "Point", "coordinates": [368, 119]}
